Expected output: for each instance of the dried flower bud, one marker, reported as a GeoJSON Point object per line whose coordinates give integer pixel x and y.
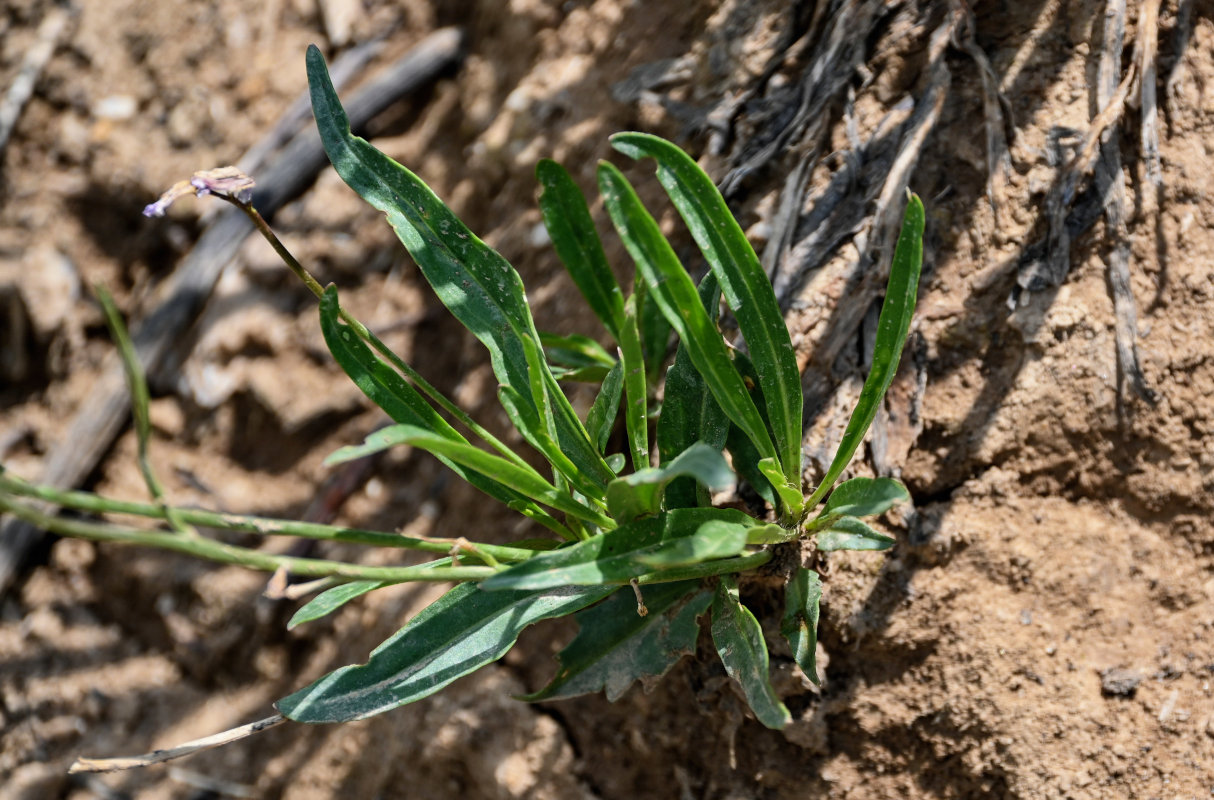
{"type": "Point", "coordinates": [224, 181]}
{"type": "Point", "coordinates": [228, 181]}
{"type": "Point", "coordinates": [179, 189]}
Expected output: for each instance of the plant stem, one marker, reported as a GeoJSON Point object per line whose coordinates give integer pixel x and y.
{"type": "Point", "coordinates": [140, 399]}
{"type": "Point", "coordinates": [370, 338]}
{"type": "Point", "coordinates": [201, 547]}
{"type": "Point", "coordinates": [85, 501]}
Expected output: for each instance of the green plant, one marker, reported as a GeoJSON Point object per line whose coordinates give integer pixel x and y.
{"type": "Point", "coordinates": [652, 528]}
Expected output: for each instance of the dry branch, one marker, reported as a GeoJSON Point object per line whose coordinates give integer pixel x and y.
{"type": "Point", "coordinates": [839, 211]}
{"type": "Point", "coordinates": [784, 223]}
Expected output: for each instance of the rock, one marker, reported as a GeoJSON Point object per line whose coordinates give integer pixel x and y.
{"type": "Point", "coordinates": [339, 17]}
{"type": "Point", "coordinates": [1119, 682]}
{"type": "Point", "coordinates": [116, 107]}
{"type": "Point", "coordinates": [50, 287]}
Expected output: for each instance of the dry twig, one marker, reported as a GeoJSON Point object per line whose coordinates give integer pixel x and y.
{"type": "Point", "coordinates": [784, 223]}
{"type": "Point", "coordinates": [1145, 50]}
{"type": "Point", "coordinates": [1180, 43]}
{"type": "Point", "coordinates": [834, 65]}
{"type": "Point", "coordinates": [1111, 176]}
{"type": "Point", "coordinates": [180, 751]}
{"type": "Point", "coordinates": [52, 30]}
{"type": "Point", "coordinates": [839, 211]}
{"type": "Point", "coordinates": [998, 156]}
{"type": "Point", "coordinates": [1052, 268]}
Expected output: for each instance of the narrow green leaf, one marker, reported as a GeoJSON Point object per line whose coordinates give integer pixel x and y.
{"type": "Point", "coordinates": [739, 642]}
{"type": "Point", "coordinates": [612, 556]}
{"type": "Point", "coordinates": [785, 498]}
{"type": "Point", "coordinates": [802, 595]}
{"type": "Point", "coordinates": [525, 417]}
{"type": "Point", "coordinates": [713, 539]}
{"type": "Point", "coordinates": [576, 358]}
{"type": "Point", "coordinates": [640, 493]}
{"type": "Point", "coordinates": [383, 385]}
{"type": "Point", "coordinates": [676, 295]}
{"type": "Point", "coordinates": [571, 229]}
{"type": "Point", "coordinates": [536, 369]}
{"type": "Point", "coordinates": [743, 282]}
{"type": "Point", "coordinates": [615, 646]}
{"type": "Point", "coordinates": [866, 497]}
{"type": "Point", "coordinates": [386, 388]}
{"type": "Point", "coordinates": [460, 632]}
{"type": "Point", "coordinates": [892, 328]}
{"type": "Point", "coordinates": [601, 417]}
{"type": "Point", "coordinates": [655, 332]}
{"type": "Point", "coordinates": [475, 282]}
{"type": "Point", "coordinates": [746, 461]}
{"type": "Point", "coordinates": [575, 350]}
{"type": "Point", "coordinates": [532, 511]}
{"type": "Point", "coordinates": [330, 600]}
{"type": "Point", "coordinates": [526, 481]}
{"type": "Point", "coordinates": [689, 412]}
{"type": "Point", "coordinates": [849, 533]}
{"type": "Point", "coordinates": [636, 392]}
{"type": "Point", "coordinates": [590, 374]}
{"type": "Point", "coordinates": [137, 388]}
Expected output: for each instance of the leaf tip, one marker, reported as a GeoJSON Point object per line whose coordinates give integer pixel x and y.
{"type": "Point", "coordinates": [626, 142]}
{"type": "Point", "coordinates": [314, 60]}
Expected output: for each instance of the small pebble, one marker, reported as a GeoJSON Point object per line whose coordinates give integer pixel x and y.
{"type": "Point", "coordinates": [116, 107]}
{"type": "Point", "coordinates": [1119, 682]}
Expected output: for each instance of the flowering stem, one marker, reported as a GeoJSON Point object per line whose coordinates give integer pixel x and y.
{"type": "Point", "coordinates": [201, 547]}
{"type": "Point", "coordinates": [363, 333]}
{"type": "Point", "coordinates": [86, 501]}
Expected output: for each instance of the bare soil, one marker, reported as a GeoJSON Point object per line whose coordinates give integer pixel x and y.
{"type": "Point", "coordinates": [1044, 627]}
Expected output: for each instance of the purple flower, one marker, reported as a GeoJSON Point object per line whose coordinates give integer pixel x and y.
{"type": "Point", "coordinates": [179, 189]}
{"type": "Point", "coordinates": [224, 181]}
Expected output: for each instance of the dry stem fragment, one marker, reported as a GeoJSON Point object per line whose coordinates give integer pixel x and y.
{"type": "Point", "coordinates": [180, 751]}
{"type": "Point", "coordinates": [998, 157]}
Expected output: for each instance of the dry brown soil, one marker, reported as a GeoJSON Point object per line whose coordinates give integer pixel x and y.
{"type": "Point", "coordinates": [1044, 627]}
